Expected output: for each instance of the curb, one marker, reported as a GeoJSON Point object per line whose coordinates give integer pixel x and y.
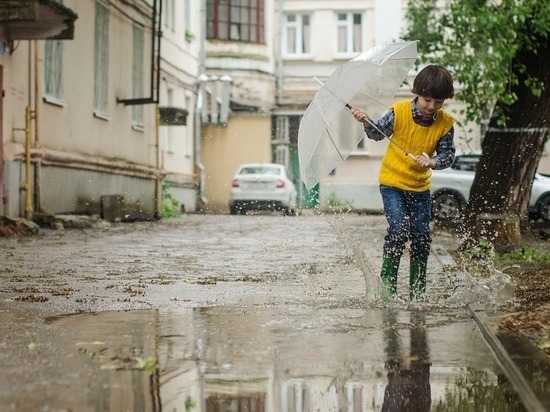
{"type": "Point", "coordinates": [512, 372]}
{"type": "Point", "coordinates": [522, 387]}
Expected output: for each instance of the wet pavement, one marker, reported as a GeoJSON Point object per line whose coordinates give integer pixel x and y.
{"type": "Point", "coordinates": [238, 313]}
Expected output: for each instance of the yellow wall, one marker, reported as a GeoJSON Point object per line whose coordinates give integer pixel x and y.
{"type": "Point", "coordinates": [246, 139]}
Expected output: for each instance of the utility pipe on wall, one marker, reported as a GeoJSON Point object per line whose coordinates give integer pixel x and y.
{"type": "Point", "coordinates": [28, 194]}
{"type": "Point", "coordinates": [37, 99]}
{"type": "Point", "coordinates": [158, 192]}
{"type": "Point", "coordinates": [199, 102]}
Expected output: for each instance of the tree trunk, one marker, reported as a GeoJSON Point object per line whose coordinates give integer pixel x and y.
{"type": "Point", "coordinates": [510, 157]}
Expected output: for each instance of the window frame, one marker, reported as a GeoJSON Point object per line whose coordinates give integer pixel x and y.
{"type": "Point", "coordinates": [138, 76]}
{"type": "Point", "coordinates": [353, 45]}
{"type": "Point", "coordinates": [229, 20]}
{"type": "Point", "coordinates": [169, 11]}
{"type": "Point", "coordinates": [302, 46]}
{"type": "Point", "coordinates": [101, 61]}
{"type": "Point", "coordinates": [52, 87]}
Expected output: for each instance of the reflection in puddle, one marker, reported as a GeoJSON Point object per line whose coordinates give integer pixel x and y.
{"type": "Point", "coordinates": [408, 386]}
{"type": "Point", "coordinates": [286, 360]}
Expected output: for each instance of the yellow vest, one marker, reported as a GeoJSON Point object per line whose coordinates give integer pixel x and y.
{"type": "Point", "coordinates": [399, 170]}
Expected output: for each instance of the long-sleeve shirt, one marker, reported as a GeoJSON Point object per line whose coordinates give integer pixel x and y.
{"type": "Point", "coordinates": [383, 128]}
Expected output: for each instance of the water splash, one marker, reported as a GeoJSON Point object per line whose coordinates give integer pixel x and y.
{"type": "Point", "coordinates": [480, 285]}
{"type": "Point", "coordinates": [357, 253]}
{"type": "Point", "coordinates": [482, 291]}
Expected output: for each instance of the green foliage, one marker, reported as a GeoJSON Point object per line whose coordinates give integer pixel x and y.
{"type": "Point", "coordinates": [480, 41]}
{"type": "Point", "coordinates": [189, 404]}
{"type": "Point", "coordinates": [337, 205]}
{"type": "Point", "coordinates": [189, 36]}
{"type": "Point", "coordinates": [477, 257]}
{"type": "Point", "coordinates": [481, 249]}
{"type": "Point", "coordinates": [147, 364]}
{"type": "Point", "coordinates": [477, 391]}
{"type": "Point", "coordinates": [526, 255]}
{"type": "Point", "coordinates": [170, 206]}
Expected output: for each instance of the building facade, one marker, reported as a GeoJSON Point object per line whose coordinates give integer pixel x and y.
{"type": "Point", "coordinates": [239, 86]}
{"type": "Point", "coordinates": [148, 99]}
{"type": "Point", "coordinates": [95, 122]}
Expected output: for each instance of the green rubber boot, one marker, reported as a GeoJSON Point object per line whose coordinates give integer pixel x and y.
{"type": "Point", "coordinates": [417, 280]}
{"type": "Point", "coordinates": [388, 275]}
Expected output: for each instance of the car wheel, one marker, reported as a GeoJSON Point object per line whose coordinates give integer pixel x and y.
{"type": "Point", "coordinates": [543, 208]}
{"type": "Point", "coordinates": [289, 212]}
{"type": "Point", "coordinates": [237, 210]}
{"type": "Point", "coordinates": [447, 206]}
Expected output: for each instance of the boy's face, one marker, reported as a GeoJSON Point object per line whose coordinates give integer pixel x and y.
{"type": "Point", "coordinates": [429, 105]}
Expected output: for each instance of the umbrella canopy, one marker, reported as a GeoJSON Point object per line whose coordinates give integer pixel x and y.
{"type": "Point", "coordinates": [328, 131]}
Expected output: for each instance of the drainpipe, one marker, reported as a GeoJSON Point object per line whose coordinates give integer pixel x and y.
{"type": "Point", "coordinates": [158, 192]}
{"type": "Point", "coordinates": [28, 114]}
{"type": "Point", "coordinates": [26, 186]}
{"type": "Point", "coordinates": [199, 102]}
{"type": "Point", "coordinates": [37, 93]}
{"type": "Point", "coordinates": [28, 194]}
{"type": "Point", "coordinates": [156, 38]}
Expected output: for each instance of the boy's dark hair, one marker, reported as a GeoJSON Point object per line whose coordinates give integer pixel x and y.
{"type": "Point", "coordinates": [434, 81]}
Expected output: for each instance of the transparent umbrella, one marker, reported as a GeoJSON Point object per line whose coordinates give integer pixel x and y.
{"type": "Point", "coordinates": [328, 131]}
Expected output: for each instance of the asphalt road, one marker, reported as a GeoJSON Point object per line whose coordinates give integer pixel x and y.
{"type": "Point", "coordinates": [200, 260]}
{"type": "Point", "coordinates": [252, 309]}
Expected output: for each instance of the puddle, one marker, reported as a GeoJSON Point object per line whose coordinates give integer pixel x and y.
{"type": "Point", "coordinates": [288, 359]}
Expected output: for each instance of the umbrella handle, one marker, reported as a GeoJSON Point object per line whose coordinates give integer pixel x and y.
{"type": "Point", "coordinates": [414, 157]}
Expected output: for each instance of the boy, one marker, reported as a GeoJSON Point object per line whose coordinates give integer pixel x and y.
{"type": "Point", "coordinates": [419, 127]}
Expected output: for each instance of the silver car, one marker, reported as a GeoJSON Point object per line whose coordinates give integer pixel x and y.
{"type": "Point", "coordinates": [262, 186]}
{"type": "Point", "coordinates": [451, 190]}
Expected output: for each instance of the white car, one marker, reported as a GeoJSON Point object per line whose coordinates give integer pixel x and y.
{"type": "Point", "coordinates": [451, 190]}
{"type": "Point", "coordinates": [261, 186]}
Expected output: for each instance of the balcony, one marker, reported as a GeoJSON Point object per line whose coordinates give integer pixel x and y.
{"type": "Point", "coordinates": [35, 19]}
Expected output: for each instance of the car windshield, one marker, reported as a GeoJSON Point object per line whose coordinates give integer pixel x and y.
{"type": "Point", "coordinates": [260, 170]}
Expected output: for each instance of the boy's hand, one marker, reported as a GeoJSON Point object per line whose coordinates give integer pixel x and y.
{"type": "Point", "coordinates": [424, 160]}
{"type": "Point", "coordinates": [360, 115]}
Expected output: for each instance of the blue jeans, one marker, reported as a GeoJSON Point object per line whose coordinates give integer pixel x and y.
{"type": "Point", "coordinates": [408, 214]}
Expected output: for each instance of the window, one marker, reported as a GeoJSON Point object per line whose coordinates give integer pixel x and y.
{"type": "Point", "coordinates": [188, 132]}
{"type": "Point", "coordinates": [237, 20]}
{"type": "Point", "coordinates": [349, 28]}
{"type": "Point", "coordinates": [53, 70]}
{"type": "Point", "coordinates": [297, 34]}
{"type": "Point", "coordinates": [137, 76]}
{"type": "Point", "coordinates": [170, 131]}
{"type": "Point", "coordinates": [281, 141]}
{"type": "Point", "coordinates": [356, 396]}
{"type": "Point", "coordinates": [170, 15]}
{"type": "Point", "coordinates": [187, 20]}
{"type": "Point", "coordinates": [101, 61]}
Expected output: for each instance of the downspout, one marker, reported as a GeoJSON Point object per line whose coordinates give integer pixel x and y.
{"type": "Point", "coordinates": [154, 97]}
{"type": "Point", "coordinates": [158, 191]}
{"type": "Point", "coordinates": [3, 196]}
{"type": "Point", "coordinates": [37, 93]}
{"type": "Point", "coordinates": [28, 194]}
{"type": "Point", "coordinates": [199, 102]}
{"type": "Point", "coordinates": [156, 36]}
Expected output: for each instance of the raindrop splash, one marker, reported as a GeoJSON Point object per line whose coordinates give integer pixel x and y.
{"type": "Point", "coordinates": [357, 253]}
